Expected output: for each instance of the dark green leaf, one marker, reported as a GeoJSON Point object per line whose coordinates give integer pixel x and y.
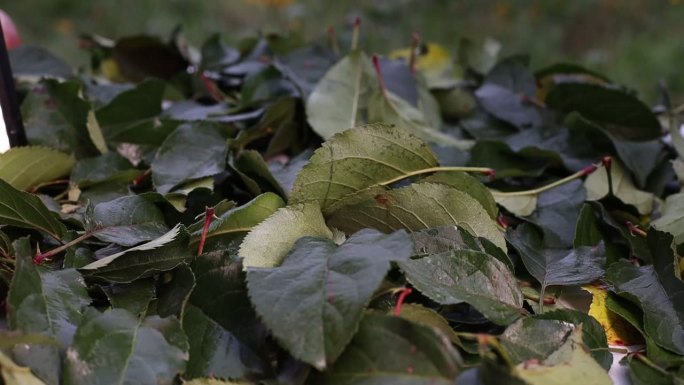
{"type": "Point", "coordinates": [129, 117]}
{"type": "Point", "coordinates": [161, 254]}
{"type": "Point", "coordinates": [657, 290]}
{"type": "Point", "coordinates": [21, 209]}
{"type": "Point", "coordinates": [128, 221]}
{"type": "Point", "coordinates": [618, 112]}
{"type": "Point", "coordinates": [593, 335]}
{"type": "Point", "coordinates": [117, 347]}
{"type": "Point", "coordinates": [55, 116]}
{"type": "Point", "coordinates": [326, 287]}
{"type": "Point", "coordinates": [46, 302]}
{"type": "Point", "coordinates": [533, 338]}
{"type": "Point", "coordinates": [557, 212]}
{"type": "Point", "coordinates": [221, 295]}
{"type": "Point", "coordinates": [134, 297]}
{"type": "Point", "coordinates": [109, 167]}
{"type": "Point", "coordinates": [214, 351]}
{"type": "Point", "coordinates": [557, 266]}
{"type": "Point", "coordinates": [390, 350]}
{"type": "Point", "coordinates": [174, 291]}
{"type": "Point", "coordinates": [190, 152]}
{"type": "Point", "coordinates": [468, 276]}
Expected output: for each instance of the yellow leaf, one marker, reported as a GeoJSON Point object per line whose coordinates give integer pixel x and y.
{"type": "Point", "coordinates": [618, 331]}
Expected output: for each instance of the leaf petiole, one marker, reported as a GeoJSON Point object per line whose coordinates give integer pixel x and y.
{"type": "Point", "coordinates": [584, 172]}
{"type": "Point", "coordinates": [41, 257]}
{"type": "Point", "coordinates": [484, 170]}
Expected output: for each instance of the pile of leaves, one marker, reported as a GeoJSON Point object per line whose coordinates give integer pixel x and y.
{"type": "Point", "coordinates": [283, 212]}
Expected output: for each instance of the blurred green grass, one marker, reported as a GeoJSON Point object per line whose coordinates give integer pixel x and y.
{"type": "Point", "coordinates": [634, 42]}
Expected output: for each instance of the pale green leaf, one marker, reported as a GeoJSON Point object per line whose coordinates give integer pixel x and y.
{"type": "Point", "coordinates": [386, 107]}
{"type": "Point", "coordinates": [522, 205]}
{"type": "Point", "coordinates": [571, 363]}
{"type": "Point", "coordinates": [335, 103]}
{"type": "Point", "coordinates": [422, 315]}
{"type": "Point", "coordinates": [672, 219]}
{"type": "Point", "coordinates": [352, 162]}
{"type": "Point", "coordinates": [623, 188]}
{"type": "Point", "coordinates": [239, 220]}
{"type": "Point", "coordinates": [13, 374]}
{"type": "Point", "coordinates": [416, 207]}
{"type": "Point", "coordinates": [95, 133]}
{"type": "Point", "coordinates": [267, 244]}
{"type": "Point", "coordinates": [24, 167]}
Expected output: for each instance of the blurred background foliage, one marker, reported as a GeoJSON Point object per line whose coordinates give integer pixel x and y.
{"type": "Point", "coordinates": [635, 42]}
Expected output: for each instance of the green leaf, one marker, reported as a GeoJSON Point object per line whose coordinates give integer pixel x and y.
{"type": "Point", "coordinates": [129, 220]}
{"type": "Point", "coordinates": [623, 188]}
{"type": "Point", "coordinates": [522, 205]}
{"type": "Point", "coordinates": [325, 287]}
{"type": "Point", "coordinates": [657, 290]}
{"type": "Point", "coordinates": [213, 381]}
{"type": "Point", "coordinates": [192, 151]}
{"type": "Point", "coordinates": [422, 315]}
{"type": "Point", "coordinates": [557, 266]}
{"type": "Point", "coordinates": [350, 163]}
{"type": "Point", "coordinates": [251, 164]}
{"type": "Point", "coordinates": [95, 133]}
{"type": "Point", "coordinates": [21, 209]}
{"type": "Point", "coordinates": [593, 335]}
{"type": "Point", "coordinates": [532, 338]}
{"type": "Point", "coordinates": [55, 116]}
{"type": "Point", "coordinates": [337, 100]}
{"type": "Point", "coordinates": [571, 363]}
{"type": "Point", "coordinates": [129, 117]}
{"type": "Point", "coordinates": [161, 254]}
{"type": "Point", "coordinates": [213, 350]}
{"type": "Point", "coordinates": [416, 207]}
{"type": "Point", "coordinates": [468, 276]}
{"type": "Point", "coordinates": [134, 297]}
{"type": "Point", "coordinates": [557, 212]}
{"type": "Point", "coordinates": [174, 292]}
{"type": "Point", "coordinates": [504, 91]}
{"type": "Point", "coordinates": [24, 167]}
{"type": "Point", "coordinates": [587, 231]}
{"type": "Point", "coordinates": [672, 219]}
{"type": "Point", "coordinates": [13, 374]}
{"type": "Point", "coordinates": [106, 168]}
{"type": "Point", "coordinates": [221, 296]}
{"type": "Point", "coordinates": [117, 347]}
{"type": "Point", "coordinates": [235, 223]}
{"type": "Point", "coordinates": [390, 350]}
{"type": "Point", "coordinates": [447, 238]}
{"type": "Point", "coordinates": [267, 244]}
{"type": "Point", "coordinates": [388, 108]}
{"type": "Point", "coordinates": [468, 184]}
{"type": "Point", "coordinates": [46, 302]}
{"type": "Point", "coordinates": [618, 112]}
